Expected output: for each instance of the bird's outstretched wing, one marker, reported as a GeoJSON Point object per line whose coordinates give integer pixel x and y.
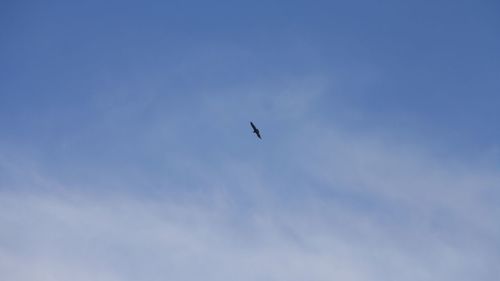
{"type": "Point", "coordinates": [253, 126]}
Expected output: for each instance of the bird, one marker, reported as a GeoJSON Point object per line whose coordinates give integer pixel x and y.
{"type": "Point", "coordinates": [255, 130]}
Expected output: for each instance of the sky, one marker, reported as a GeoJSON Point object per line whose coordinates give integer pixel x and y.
{"type": "Point", "coordinates": [126, 151]}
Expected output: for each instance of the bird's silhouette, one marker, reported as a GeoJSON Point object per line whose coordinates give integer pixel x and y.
{"type": "Point", "coordinates": [255, 130]}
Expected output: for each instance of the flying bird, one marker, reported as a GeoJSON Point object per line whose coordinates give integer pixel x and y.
{"type": "Point", "coordinates": [255, 130]}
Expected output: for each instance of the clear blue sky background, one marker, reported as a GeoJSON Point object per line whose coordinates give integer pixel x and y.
{"type": "Point", "coordinates": [379, 158]}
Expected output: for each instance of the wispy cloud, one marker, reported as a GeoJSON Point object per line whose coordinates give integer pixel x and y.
{"type": "Point", "coordinates": [366, 208]}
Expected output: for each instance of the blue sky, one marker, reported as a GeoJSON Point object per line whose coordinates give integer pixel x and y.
{"type": "Point", "coordinates": [126, 151]}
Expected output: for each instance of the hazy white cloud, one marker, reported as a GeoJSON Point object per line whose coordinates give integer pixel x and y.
{"type": "Point", "coordinates": [371, 209]}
